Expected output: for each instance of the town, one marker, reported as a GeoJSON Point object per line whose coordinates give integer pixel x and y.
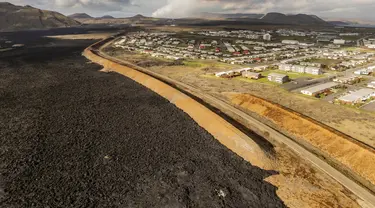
{"type": "Point", "coordinates": [323, 67]}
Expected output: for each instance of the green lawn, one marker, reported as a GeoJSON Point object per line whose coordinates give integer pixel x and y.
{"type": "Point", "coordinates": [263, 80]}
{"type": "Point", "coordinates": [328, 62]}
{"type": "Point", "coordinates": [292, 75]}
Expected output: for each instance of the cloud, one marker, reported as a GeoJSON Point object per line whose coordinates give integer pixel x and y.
{"type": "Point", "coordinates": [184, 8]}
{"type": "Point", "coordinates": [177, 8]}
{"type": "Point", "coordinates": [94, 4]}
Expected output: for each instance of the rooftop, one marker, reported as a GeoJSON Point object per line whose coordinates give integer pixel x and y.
{"type": "Point", "coordinates": [277, 75]}
{"type": "Point", "coordinates": [358, 95]}
{"type": "Point", "coordinates": [320, 87]}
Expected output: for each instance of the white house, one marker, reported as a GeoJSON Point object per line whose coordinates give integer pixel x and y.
{"type": "Point", "coordinates": [358, 96]}
{"type": "Point", "coordinates": [267, 37]}
{"type": "Point", "coordinates": [290, 42]}
{"type": "Point", "coordinates": [339, 41]}
{"type": "Point", "coordinates": [312, 91]}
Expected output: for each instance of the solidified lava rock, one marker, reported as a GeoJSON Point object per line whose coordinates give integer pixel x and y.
{"type": "Point", "coordinates": [72, 136]}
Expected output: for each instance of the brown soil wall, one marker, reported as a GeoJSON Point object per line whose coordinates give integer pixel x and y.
{"type": "Point", "coordinates": [227, 134]}
{"type": "Point", "coordinates": [345, 153]}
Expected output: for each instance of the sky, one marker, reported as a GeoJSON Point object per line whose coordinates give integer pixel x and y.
{"type": "Point", "coordinates": [328, 9]}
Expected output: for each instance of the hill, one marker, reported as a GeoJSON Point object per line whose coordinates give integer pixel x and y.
{"type": "Point", "coordinates": [298, 19]}
{"type": "Point", "coordinates": [339, 23]}
{"type": "Point", "coordinates": [107, 17]}
{"type": "Point", "coordinates": [80, 16]}
{"type": "Point", "coordinates": [26, 17]}
{"type": "Point", "coordinates": [138, 17]}
{"type": "Point", "coordinates": [207, 15]}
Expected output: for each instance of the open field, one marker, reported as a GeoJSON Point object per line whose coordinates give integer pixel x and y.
{"type": "Point", "coordinates": [356, 123]}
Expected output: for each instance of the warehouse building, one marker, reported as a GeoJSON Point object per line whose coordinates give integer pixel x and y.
{"type": "Point", "coordinates": [318, 89]}
{"type": "Point", "coordinates": [279, 78]}
{"type": "Point", "coordinates": [358, 96]}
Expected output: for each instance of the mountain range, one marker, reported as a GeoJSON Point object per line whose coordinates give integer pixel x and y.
{"type": "Point", "coordinates": [26, 17]}
{"type": "Point", "coordinates": [298, 19]}
{"type": "Point", "coordinates": [211, 18]}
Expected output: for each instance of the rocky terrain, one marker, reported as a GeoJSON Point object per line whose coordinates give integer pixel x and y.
{"type": "Point", "coordinates": [26, 17]}
{"type": "Point", "coordinates": [72, 136]}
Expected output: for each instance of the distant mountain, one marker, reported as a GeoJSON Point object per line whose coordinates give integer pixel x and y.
{"type": "Point", "coordinates": [207, 15]}
{"type": "Point", "coordinates": [80, 16]}
{"type": "Point", "coordinates": [107, 17]}
{"type": "Point", "coordinates": [298, 19]}
{"type": "Point", "coordinates": [138, 17]}
{"type": "Point", "coordinates": [339, 23]}
{"type": "Point", "coordinates": [27, 17]}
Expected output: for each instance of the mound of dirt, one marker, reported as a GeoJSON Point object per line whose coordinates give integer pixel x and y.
{"type": "Point", "coordinates": [356, 158]}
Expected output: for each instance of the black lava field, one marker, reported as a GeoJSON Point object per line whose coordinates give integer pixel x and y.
{"type": "Point", "coordinates": [72, 136]}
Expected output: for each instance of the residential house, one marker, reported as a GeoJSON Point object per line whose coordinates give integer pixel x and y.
{"type": "Point", "coordinates": [318, 89]}
{"type": "Point", "coordinates": [358, 96]}
{"type": "Point", "coordinates": [251, 75]}
{"type": "Point", "coordinates": [278, 78]}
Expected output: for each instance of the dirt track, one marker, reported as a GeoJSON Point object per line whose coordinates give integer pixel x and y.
{"type": "Point", "coordinates": [72, 136]}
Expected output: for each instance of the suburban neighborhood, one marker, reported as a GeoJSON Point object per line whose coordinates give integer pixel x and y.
{"type": "Point", "coordinates": [325, 67]}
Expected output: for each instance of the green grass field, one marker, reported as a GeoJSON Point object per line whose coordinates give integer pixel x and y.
{"type": "Point", "coordinates": [263, 80]}
{"type": "Point", "coordinates": [292, 75]}
{"type": "Point", "coordinates": [328, 62]}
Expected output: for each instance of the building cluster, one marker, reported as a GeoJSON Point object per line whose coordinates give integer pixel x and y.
{"type": "Point", "coordinates": [241, 34]}
{"type": "Point", "coordinates": [351, 79]}
{"type": "Point", "coordinates": [166, 45]}
{"type": "Point", "coordinates": [251, 73]}
{"type": "Point", "coordinates": [289, 32]}
{"type": "Point", "coordinates": [357, 97]}
{"type": "Point", "coordinates": [300, 69]}
{"type": "Point", "coordinates": [369, 43]}
{"type": "Point", "coordinates": [254, 73]}
{"type": "Point", "coordinates": [365, 71]}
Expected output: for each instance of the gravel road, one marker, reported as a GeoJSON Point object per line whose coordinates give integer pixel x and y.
{"type": "Point", "coordinates": [71, 136]}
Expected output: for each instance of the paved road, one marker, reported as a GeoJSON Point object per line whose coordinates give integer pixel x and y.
{"type": "Point", "coordinates": [72, 136]}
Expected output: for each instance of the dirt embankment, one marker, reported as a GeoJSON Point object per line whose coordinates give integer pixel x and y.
{"type": "Point", "coordinates": [337, 148]}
